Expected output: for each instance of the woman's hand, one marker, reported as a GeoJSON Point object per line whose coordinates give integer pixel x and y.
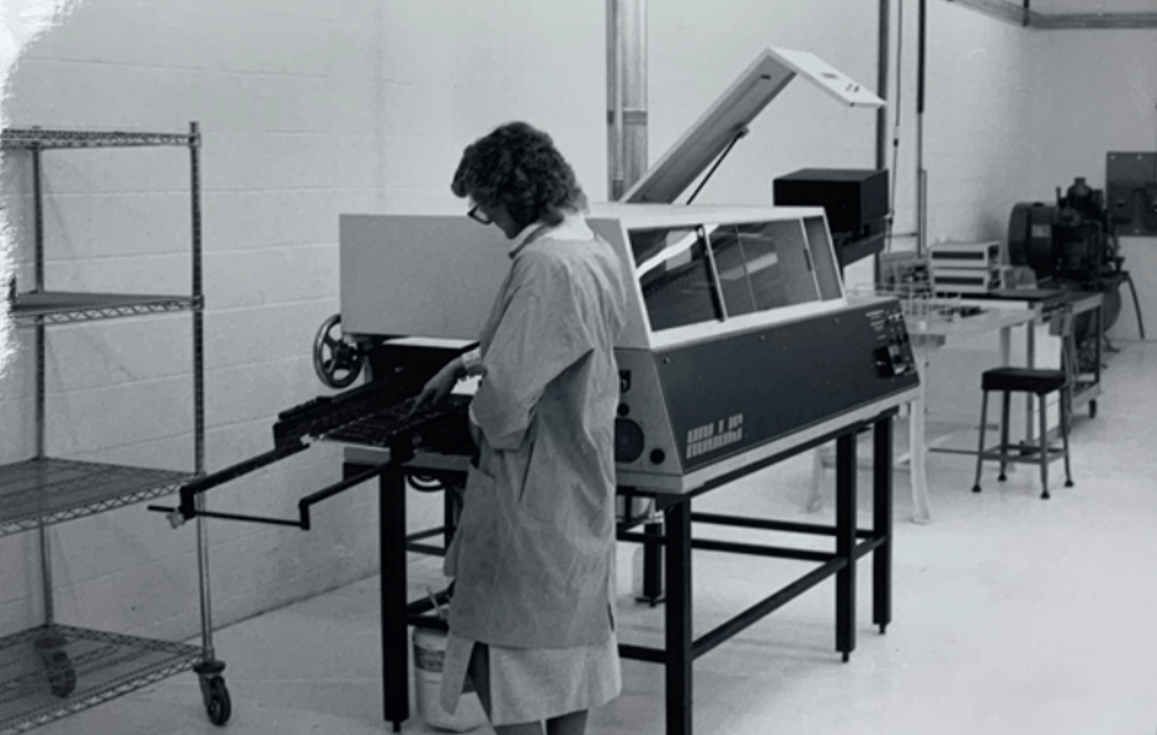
{"type": "Point", "coordinates": [439, 386]}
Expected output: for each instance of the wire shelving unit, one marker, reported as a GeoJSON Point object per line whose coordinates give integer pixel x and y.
{"type": "Point", "coordinates": [53, 670]}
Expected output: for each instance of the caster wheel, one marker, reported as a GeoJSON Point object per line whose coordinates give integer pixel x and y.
{"type": "Point", "coordinates": [1002, 477]}
{"type": "Point", "coordinates": [1045, 495]}
{"type": "Point", "coordinates": [1093, 409]}
{"type": "Point", "coordinates": [57, 665]}
{"type": "Point", "coordinates": [1068, 483]}
{"type": "Point", "coordinates": [61, 674]}
{"type": "Point", "coordinates": [976, 488]}
{"type": "Point", "coordinates": [217, 702]}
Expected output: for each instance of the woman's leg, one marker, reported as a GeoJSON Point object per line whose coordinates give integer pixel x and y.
{"type": "Point", "coordinates": [573, 724]}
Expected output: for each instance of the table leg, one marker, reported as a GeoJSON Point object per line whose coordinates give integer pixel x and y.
{"type": "Point", "coordinates": [1030, 362]}
{"type": "Point", "coordinates": [917, 450]}
{"type": "Point", "coordinates": [846, 543]}
{"type": "Point", "coordinates": [679, 655]}
{"type": "Point", "coordinates": [882, 523]}
{"type": "Point", "coordinates": [1099, 326]}
{"type": "Point", "coordinates": [392, 548]}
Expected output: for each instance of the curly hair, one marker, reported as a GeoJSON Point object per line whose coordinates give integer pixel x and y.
{"type": "Point", "coordinates": [517, 166]}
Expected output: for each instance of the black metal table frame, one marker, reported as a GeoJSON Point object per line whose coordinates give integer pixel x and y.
{"type": "Point", "coordinates": [677, 542]}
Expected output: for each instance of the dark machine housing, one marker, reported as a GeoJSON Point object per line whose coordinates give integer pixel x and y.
{"type": "Point", "coordinates": [855, 201]}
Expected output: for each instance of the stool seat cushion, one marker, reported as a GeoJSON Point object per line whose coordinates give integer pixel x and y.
{"type": "Point", "coordinates": [1023, 380]}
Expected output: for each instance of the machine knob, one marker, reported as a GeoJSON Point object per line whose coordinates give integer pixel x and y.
{"type": "Point", "coordinates": [336, 362]}
{"type": "Point", "coordinates": [628, 440]}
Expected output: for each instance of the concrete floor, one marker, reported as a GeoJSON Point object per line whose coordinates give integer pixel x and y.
{"type": "Point", "coordinates": [1011, 615]}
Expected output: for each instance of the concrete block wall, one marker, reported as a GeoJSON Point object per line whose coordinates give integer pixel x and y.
{"type": "Point", "coordinates": [312, 109]}
{"type": "Point", "coordinates": [289, 98]}
{"type": "Point", "coordinates": [977, 122]}
{"type": "Point", "coordinates": [454, 70]}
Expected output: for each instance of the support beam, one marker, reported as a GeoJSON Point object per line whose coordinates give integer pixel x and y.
{"type": "Point", "coordinates": [1024, 15]}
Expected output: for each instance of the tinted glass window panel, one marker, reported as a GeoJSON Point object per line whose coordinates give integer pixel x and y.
{"type": "Point", "coordinates": [731, 263]}
{"type": "Point", "coordinates": [676, 278]}
{"type": "Point", "coordinates": [778, 266]}
{"type": "Point", "coordinates": [827, 270]}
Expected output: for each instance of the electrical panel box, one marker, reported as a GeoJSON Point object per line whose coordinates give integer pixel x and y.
{"type": "Point", "coordinates": [1131, 191]}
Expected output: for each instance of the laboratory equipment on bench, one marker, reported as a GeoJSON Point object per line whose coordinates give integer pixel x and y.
{"type": "Point", "coordinates": [966, 267]}
{"type": "Point", "coordinates": [1073, 245]}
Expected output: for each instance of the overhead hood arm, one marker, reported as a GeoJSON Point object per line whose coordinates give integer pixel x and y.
{"type": "Point", "coordinates": [726, 119]}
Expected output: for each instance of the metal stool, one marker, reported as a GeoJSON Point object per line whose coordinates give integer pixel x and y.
{"type": "Point", "coordinates": [1040, 382]}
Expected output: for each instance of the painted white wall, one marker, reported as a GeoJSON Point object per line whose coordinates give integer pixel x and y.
{"type": "Point", "coordinates": [452, 70]}
{"type": "Point", "coordinates": [318, 108]}
{"type": "Point", "coordinates": [976, 122]}
{"type": "Point", "coordinates": [289, 98]}
{"type": "Point", "coordinates": [696, 51]}
{"type": "Point", "coordinates": [1097, 92]}
{"type": "Point", "coordinates": [307, 111]}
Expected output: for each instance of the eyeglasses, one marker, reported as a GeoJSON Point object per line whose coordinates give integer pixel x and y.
{"type": "Point", "coordinates": [479, 216]}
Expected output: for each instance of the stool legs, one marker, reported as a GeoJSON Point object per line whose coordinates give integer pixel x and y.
{"type": "Point", "coordinates": [1066, 409]}
{"type": "Point", "coordinates": [1044, 448]}
{"type": "Point", "coordinates": [1005, 403]}
{"type": "Point", "coordinates": [1042, 384]}
{"type": "Point", "coordinates": [980, 448]}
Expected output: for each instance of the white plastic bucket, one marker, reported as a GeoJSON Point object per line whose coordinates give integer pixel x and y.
{"type": "Point", "coordinates": [429, 654]}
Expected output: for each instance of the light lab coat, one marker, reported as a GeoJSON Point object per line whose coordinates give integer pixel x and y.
{"type": "Point", "coordinates": [533, 556]}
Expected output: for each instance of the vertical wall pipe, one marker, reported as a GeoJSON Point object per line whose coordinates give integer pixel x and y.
{"type": "Point", "coordinates": [615, 175]}
{"type": "Point", "coordinates": [882, 51]}
{"type": "Point", "coordinates": [626, 95]}
{"type": "Point", "coordinates": [921, 174]}
{"type": "Point", "coordinates": [882, 86]}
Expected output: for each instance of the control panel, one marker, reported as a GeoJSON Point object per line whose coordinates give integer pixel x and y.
{"type": "Point", "coordinates": [894, 355]}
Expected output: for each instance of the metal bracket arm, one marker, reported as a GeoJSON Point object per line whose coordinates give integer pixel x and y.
{"type": "Point", "coordinates": [179, 515]}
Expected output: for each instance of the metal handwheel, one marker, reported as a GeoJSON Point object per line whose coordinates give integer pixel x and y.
{"type": "Point", "coordinates": [336, 362]}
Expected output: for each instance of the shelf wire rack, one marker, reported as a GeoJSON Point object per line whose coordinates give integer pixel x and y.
{"type": "Point", "coordinates": [63, 307]}
{"type": "Point", "coordinates": [44, 139]}
{"type": "Point", "coordinates": [53, 671]}
{"type": "Point", "coordinates": [51, 490]}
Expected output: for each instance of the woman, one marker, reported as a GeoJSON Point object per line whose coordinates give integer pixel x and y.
{"type": "Point", "coordinates": [532, 620]}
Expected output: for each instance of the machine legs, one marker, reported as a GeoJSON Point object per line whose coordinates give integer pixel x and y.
{"type": "Point", "coordinates": [845, 543]}
{"type": "Point", "coordinates": [395, 654]}
{"type": "Point", "coordinates": [680, 654]}
{"type": "Point", "coordinates": [671, 543]}
{"type": "Point", "coordinates": [882, 523]}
